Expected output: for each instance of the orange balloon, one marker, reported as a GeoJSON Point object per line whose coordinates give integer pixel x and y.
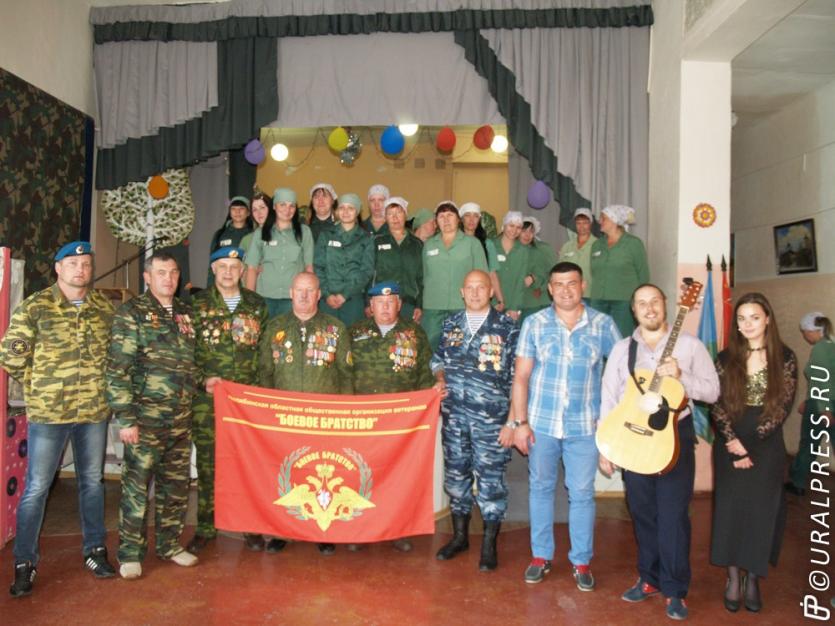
{"type": "Point", "coordinates": [158, 187]}
{"type": "Point", "coordinates": [446, 139]}
{"type": "Point", "coordinates": [484, 137]}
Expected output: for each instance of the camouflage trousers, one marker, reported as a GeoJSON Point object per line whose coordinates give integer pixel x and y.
{"type": "Point", "coordinates": [162, 454]}
{"type": "Point", "coordinates": [203, 435]}
{"type": "Point", "coordinates": [472, 454]}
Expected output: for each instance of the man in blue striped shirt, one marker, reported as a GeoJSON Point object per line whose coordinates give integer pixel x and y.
{"type": "Point", "coordinates": [555, 406]}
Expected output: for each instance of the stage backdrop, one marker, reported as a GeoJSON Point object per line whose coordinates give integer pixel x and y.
{"type": "Point", "coordinates": [324, 468]}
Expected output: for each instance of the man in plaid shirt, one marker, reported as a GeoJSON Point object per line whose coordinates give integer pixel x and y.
{"type": "Point", "coordinates": [555, 408]}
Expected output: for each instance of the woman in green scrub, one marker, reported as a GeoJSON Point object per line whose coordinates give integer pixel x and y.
{"type": "Point", "coordinates": [512, 263]}
{"type": "Point", "coordinates": [238, 225]}
{"type": "Point", "coordinates": [447, 257]}
{"type": "Point", "coordinates": [282, 248]}
{"type": "Point", "coordinates": [323, 205]}
{"type": "Point", "coordinates": [397, 257]}
{"type": "Point", "coordinates": [344, 263]}
{"type": "Point", "coordinates": [262, 206]}
{"type": "Point", "coordinates": [618, 267]}
{"type": "Point", "coordinates": [543, 258]}
{"type": "Point", "coordinates": [577, 249]}
{"type": "Point", "coordinates": [817, 331]}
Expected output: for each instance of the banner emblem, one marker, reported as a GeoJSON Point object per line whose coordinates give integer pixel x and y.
{"type": "Point", "coordinates": [323, 496]}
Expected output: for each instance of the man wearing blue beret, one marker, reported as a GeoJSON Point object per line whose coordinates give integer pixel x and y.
{"type": "Point", "coordinates": [56, 346]}
{"type": "Point", "coordinates": [228, 320]}
{"type": "Point", "coordinates": [391, 354]}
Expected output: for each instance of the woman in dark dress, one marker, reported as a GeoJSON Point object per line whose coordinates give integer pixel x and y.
{"type": "Point", "coordinates": [758, 374]}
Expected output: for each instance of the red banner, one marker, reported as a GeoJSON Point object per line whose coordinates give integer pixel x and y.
{"type": "Point", "coordinates": [324, 468]}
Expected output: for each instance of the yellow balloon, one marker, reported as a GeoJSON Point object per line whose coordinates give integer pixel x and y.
{"type": "Point", "coordinates": [338, 139]}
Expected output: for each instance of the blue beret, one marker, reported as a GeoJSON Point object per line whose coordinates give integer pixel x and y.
{"type": "Point", "coordinates": [385, 288]}
{"type": "Point", "coordinates": [227, 252]}
{"type": "Point", "coordinates": [74, 248]}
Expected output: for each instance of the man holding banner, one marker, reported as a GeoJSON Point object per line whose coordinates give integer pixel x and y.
{"type": "Point", "coordinates": [390, 354]}
{"type": "Point", "coordinates": [474, 361]}
{"type": "Point", "coordinates": [306, 350]}
{"type": "Point", "coordinates": [227, 323]}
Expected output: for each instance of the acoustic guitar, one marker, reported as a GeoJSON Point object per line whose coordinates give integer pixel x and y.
{"type": "Point", "coordinates": [640, 434]}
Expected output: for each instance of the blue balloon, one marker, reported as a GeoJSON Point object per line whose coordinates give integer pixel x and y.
{"type": "Point", "coordinates": [392, 141]}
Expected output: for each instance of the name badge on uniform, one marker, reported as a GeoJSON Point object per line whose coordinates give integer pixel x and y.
{"type": "Point", "coordinates": [434, 252]}
{"type": "Point", "coordinates": [571, 254]}
{"type": "Point", "coordinates": [333, 243]}
{"type": "Point", "coordinates": [272, 242]}
{"type": "Point", "coordinates": [384, 246]}
{"type": "Point", "coordinates": [597, 253]}
{"type": "Point", "coordinates": [501, 257]}
{"type": "Point", "coordinates": [225, 242]}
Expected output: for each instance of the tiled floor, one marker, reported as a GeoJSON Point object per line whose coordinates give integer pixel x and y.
{"type": "Point", "coordinates": [380, 586]}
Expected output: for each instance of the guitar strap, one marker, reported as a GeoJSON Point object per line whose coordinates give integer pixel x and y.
{"type": "Point", "coordinates": [633, 357]}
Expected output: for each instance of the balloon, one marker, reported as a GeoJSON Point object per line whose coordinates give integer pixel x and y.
{"type": "Point", "coordinates": [392, 141]}
{"type": "Point", "coordinates": [158, 187]}
{"type": "Point", "coordinates": [484, 137]}
{"type": "Point", "coordinates": [254, 152]}
{"type": "Point", "coordinates": [338, 139]}
{"type": "Point", "coordinates": [445, 142]}
{"type": "Point", "coordinates": [539, 195]}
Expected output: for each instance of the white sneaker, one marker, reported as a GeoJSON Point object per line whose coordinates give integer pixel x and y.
{"type": "Point", "coordinates": [130, 570]}
{"type": "Point", "coordinates": [184, 558]}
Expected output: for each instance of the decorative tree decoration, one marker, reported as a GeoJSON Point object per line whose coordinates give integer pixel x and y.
{"type": "Point", "coordinates": [136, 217]}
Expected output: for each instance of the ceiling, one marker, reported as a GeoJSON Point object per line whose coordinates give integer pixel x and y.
{"type": "Point", "coordinates": [793, 58]}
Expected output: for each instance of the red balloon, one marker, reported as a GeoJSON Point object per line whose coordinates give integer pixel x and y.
{"type": "Point", "coordinates": [445, 141]}
{"type": "Point", "coordinates": [484, 137]}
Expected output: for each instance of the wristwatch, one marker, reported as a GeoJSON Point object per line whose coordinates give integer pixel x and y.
{"type": "Point", "coordinates": [514, 424]}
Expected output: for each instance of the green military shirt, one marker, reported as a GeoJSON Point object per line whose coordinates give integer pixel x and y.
{"type": "Point", "coordinates": [57, 351]}
{"type": "Point", "coordinates": [391, 364]}
{"type": "Point", "coordinates": [317, 227]}
{"type": "Point", "coordinates": [312, 356]}
{"type": "Point", "coordinates": [543, 258]}
{"type": "Point", "coordinates": [400, 262]}
{"type": "Point", "coordinates": [444, 269]}
{"type": "Point", "coordinates": [151, 374]}
{"type": "Point", "coordinates": [511, 268]}
{"type": "Point", "coordinates": [344, 261]}
{"type": "Point", "coordinates": [823, 357]}
{"type": "Point", "coordinates": [369, 228]}
{"type": "Point", "coordinates": [280, 259]}
{"type": "Point", "coordinates": [618, 270]}
{"type": "Point", "coordinates": [226, 341]}
{"type": "Point", "coordinates": [572, 253]}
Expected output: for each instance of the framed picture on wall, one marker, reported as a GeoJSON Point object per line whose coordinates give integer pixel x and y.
{"type": "Point", "coordinates": [795, 248]}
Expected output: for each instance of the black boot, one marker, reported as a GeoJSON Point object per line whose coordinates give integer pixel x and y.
{"type": "Point", "coordinates": [489, 559]}
{"type": "Point", "coordinates": [459, 542]}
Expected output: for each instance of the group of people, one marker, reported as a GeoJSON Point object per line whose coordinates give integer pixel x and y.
{"type": "Point", "coordinates": [337, 311]}
{"type": "Point", "coordinates": [427, 254]}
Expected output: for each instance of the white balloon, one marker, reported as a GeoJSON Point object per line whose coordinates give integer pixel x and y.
{"type": "Point", "coordinates": [279, 152]}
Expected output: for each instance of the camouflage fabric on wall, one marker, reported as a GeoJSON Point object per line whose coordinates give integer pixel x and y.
{"type": "Point", "coordinates": [42, 167]}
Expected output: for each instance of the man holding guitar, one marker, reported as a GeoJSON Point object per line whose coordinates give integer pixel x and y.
{"type": "Point", "coordinates": [658, 502]}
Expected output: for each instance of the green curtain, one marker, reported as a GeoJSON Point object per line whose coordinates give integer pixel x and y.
{"type": "Point", "coordinates": [248, 100]}
{"type": "Point", "coordinates": [354, 24]}
{"type": "Point", "coordinates": [42, 169]}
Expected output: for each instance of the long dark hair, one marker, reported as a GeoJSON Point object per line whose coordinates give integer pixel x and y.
{"type": "Point", "coordinates": [267, 228]}
{"type": "Point", "coordinates": [250, 225]}
{"type": "Point", "coordinates": [735, 375]}
{"type": "Point", "coordinates": [528, 225]}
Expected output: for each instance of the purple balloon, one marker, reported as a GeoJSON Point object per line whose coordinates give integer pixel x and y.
{"type": "Point", "coordinates": [254, 152]}
{"type": "Point", "coordinates": [539, 195]}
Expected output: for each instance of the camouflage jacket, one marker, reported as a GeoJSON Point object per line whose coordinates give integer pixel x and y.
{"type": "Point", "coordinates": [391, 364]}
{"type": "Point", "coordinates": [312, 356]}
{"type": "Point", "coordinates": [57, 351]}
{"type": "Point", "coordinates": [151, 374]}
{"type": "Point", "coordinates": [227, 342]}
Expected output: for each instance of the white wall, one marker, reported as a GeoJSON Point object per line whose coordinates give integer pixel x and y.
{"type": "Point", "coordinates": [782, 171]}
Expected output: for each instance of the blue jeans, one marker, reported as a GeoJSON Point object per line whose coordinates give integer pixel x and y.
{"type": "Point", "coordinates": [579, 455]}
{"type": "Point", "coordinates": [46, 444]}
